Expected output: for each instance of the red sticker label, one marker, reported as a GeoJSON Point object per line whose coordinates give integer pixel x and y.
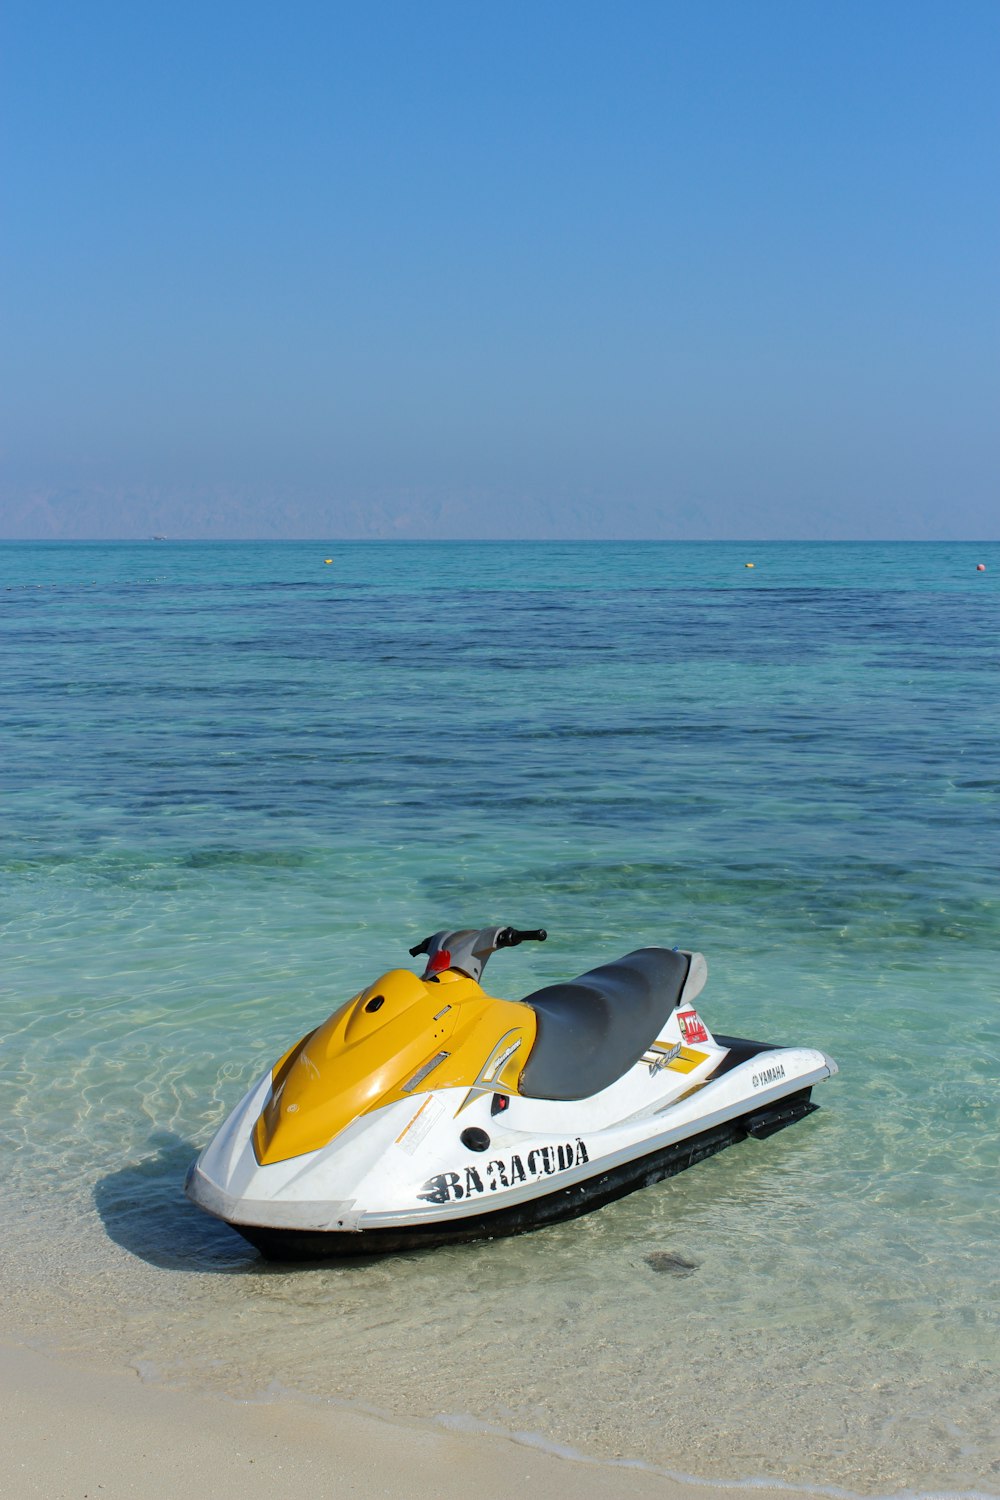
{"type": "Point", "coordinates": [692, 1026]}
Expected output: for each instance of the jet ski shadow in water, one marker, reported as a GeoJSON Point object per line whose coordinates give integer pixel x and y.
{"type": "Point", "coordinates": [142, 1209]}
{"type": "Point", "coordinates": [425, 1110]}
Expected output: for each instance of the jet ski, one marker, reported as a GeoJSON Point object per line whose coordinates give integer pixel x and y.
{"type": "Point", "coordinates": [424, 1110]}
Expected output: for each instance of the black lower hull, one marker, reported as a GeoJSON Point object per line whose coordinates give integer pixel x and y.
{"type": "Point", "coordinates": [564, 1203]}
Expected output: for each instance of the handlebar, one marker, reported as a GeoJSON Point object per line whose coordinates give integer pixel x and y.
{"type": "Point", "coordinates": [506, 937]}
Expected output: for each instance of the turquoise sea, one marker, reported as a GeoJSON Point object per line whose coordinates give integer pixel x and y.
{"type": "Point", "coordinates": [239, 782]}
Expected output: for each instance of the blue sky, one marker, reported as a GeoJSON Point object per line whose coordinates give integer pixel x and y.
{"type": "Point", "coordinates": [703, 269]}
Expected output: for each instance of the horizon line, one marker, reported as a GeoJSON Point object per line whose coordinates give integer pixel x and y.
{"type": "Point", "coordinates": [581, 541]}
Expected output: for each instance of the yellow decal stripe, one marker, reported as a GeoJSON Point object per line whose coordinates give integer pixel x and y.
{"type": "Point", "coordinates": [414, 1120]}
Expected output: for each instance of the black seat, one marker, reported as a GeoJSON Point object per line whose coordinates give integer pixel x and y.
{"type": "Point", "coordinates": [595, 1028]}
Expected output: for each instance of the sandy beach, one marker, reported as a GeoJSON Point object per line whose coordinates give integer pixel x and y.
{"type": "Point", "coordinates": [78, 1432]}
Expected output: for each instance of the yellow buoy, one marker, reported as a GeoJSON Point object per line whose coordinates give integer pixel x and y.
{"type": "Point", "coordinates": [748, 565]}
{"type": "Point", "coordinates": [328, 559]}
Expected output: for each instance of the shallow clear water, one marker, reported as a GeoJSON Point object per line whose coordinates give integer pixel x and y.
{"type": "Point", "coordinates": [238, 783]}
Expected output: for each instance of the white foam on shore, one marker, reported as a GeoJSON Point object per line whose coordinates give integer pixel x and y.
{"type": "Point", "coordinates": [457, 1422]}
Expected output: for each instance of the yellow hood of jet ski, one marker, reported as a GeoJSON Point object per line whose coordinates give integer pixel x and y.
{"type": "Point", "coordinates": [399, 1037]}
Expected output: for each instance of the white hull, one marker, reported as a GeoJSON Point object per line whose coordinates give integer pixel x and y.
{"type": "Point", "coordinates": [434, 1166]}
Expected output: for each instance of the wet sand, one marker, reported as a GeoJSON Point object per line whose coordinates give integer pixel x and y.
{"type": "Point", "coordinates": [81, 1432]}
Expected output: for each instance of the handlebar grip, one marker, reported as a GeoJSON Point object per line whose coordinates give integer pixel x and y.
{"type": "Point", "coordinates": [420, 948]}
{"type": "Point", "coordinates": [510, 937]}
